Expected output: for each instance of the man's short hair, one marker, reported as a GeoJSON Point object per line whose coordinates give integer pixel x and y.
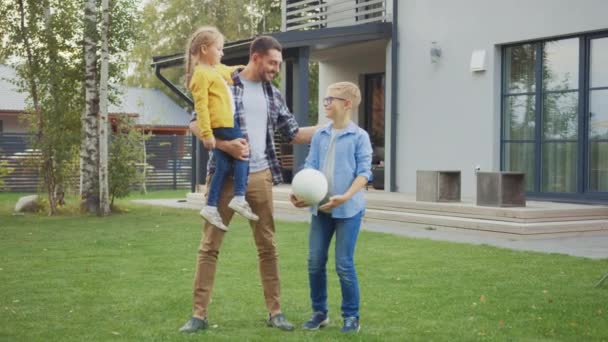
{"type": "Point", "coordinates": [347, 90]}
{"type": "Point", "coordinates": [263, 44]}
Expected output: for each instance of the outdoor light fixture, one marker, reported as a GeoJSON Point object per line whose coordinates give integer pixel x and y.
{"type": "Point", "coordinates": [435, 52]}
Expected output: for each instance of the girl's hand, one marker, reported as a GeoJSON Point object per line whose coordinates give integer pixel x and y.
{"type": "Point", "coordinates": [334, 201]}
{"type": "Point", "coordinates": [209, 142]}
{"type": "Point", "coordinates": [298, 203]}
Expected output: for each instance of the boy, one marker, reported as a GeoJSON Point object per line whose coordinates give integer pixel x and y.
{"type": "Point", "coordinates": [343, 152]}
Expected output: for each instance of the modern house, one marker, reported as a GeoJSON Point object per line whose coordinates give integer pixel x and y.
{"type": "Point", "coordinates": [461, 85]}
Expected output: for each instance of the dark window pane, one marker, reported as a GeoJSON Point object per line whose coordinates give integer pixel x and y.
{"type": "Point", "coordinates": [599, 62]}
{"type": "Point", "coordinates": [519, 117]}
{"type": "Point", "coordinates": [560, 116]}
{"type": "Point", "coordinates": [598, 114]}
{"type": "Point", "coordinates": [598, 166]}
{"type": "Point", "coordinates": [560, 64]}
{"type": "Point", "coordinates": [519, 157]}
{"type": "Point", "coordinates": [520, 69]}
{"type": "Point", "coordinates": [559, 167]}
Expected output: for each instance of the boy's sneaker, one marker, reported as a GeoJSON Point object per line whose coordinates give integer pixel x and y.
{"type": "Point", "coordinates": [279, 321]}
{"type": "Point", "coordinates": [213, 216]}
{"type": "Point", "coordinates": [243, 208]}
{"type": "Point", "coordinates": [316, 321]}
{"type": "Point", "coordinates": [351, 325]}
{"type": "Point", "coordinates": [194, 324]}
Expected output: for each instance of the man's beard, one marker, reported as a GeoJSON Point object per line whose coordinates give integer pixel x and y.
{"type": "Point", "coordinates": [267, 76]}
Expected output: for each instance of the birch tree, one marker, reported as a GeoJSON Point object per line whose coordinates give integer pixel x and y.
{"type": "Point", "coordinates": [89, 153]}
{"type": "Point", "coordinates": [104, 204]}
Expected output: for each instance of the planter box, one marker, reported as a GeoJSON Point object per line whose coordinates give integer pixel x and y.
{"type": "Point", "coordinates": [501, 189]}
{"type": "Point", "coordinates": [438, 186]}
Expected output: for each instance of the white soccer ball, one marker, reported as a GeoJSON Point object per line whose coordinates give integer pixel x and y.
{"type": "Point", "coordinates": [309, 185]}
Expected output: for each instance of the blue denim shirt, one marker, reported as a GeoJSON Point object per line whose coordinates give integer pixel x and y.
{"type": "Point", "coordinates": [353, 159]}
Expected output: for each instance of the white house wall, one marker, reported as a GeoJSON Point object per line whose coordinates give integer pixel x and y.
{"type": "Point", "coordinates": [448, 115]}
{"type": "Point", "coordinates": [348, 63]}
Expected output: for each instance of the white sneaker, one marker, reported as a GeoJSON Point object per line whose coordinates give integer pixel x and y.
{"type": "Point", "coordinates": [213, 216]}
{"type": "Point", "coordinates": [243, 208]}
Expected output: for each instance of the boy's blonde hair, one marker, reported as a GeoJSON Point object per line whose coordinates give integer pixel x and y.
{"type": "Point", "coordinates": [347, 90]}
{"type": "Point", "coordinates": [203, 36]}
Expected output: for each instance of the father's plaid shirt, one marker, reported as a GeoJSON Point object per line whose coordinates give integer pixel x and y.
{"type": "Point", "coordinates": [279, 118]}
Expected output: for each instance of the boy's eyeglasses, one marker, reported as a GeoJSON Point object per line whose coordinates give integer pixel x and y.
{"type": "Point", "coordinates": [328, 100]}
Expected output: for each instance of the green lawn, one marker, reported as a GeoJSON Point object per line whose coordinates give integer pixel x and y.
{"type": "Point", "coordinates": [128, 277]}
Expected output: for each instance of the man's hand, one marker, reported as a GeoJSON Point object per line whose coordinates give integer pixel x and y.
{"type": "Point", "coordinates": [334, 201]}
{"type": "Point", "coordinates": [298, 203]}
{"type": "Point", "coordinates": [237, 148]}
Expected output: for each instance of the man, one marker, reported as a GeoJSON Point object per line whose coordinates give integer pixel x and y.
{"type": "Point", "coordinates": [259, 109]}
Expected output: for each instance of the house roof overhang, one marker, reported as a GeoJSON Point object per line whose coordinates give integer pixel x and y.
{"type": "Point", "coordinates": [292, 40]}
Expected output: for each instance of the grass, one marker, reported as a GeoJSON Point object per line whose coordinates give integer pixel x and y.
{"type": "Point", "coordinates": [128, 277]}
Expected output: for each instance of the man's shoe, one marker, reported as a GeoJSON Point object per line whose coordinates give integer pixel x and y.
{"type": "Point", "coordinates": [213, 216]}
{"type": "Point", "coordinates": [316, 321]}
{"type": "Point", "coordinates": [194, 324]}
{"type": "Point", "coordinates": [351, 325]}
{"type": "Point", "coordinates": [279, 321]}
{"type": "Point", "coordinates": [243, 208]}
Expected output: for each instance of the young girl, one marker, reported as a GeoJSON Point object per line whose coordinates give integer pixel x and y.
{"type": "Point", "coordinates": [343, 152]}
{"type": "Point", "coordinates": [209, 81]}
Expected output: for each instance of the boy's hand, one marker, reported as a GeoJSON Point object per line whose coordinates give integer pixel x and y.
{"type": "Point", "coordinates": [334, 201]}
{"type": "Point", "coordinates": [209, 142]}
{"type": "Point", "coordinates": [298, 203]}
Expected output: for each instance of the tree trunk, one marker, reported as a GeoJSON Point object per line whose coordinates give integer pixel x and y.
{"type": "Point", "coordinates": [89, 151]}
{"type": "Point", "coordinates": [104, 205]}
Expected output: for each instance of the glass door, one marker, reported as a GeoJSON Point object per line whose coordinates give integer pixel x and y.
{"type": "Point", "coordinates": [598, 115]}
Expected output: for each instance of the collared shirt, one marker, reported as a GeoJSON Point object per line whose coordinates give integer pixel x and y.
{"type": "Point", "coordinates": [279, 119]}
{"type": "Point", "coordinates": [352, 158]}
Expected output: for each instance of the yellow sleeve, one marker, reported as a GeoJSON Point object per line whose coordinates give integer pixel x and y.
{"type": "Point", "coordinates": [226, 71]}
{"type": "Point", "coordinates": [199, 86]}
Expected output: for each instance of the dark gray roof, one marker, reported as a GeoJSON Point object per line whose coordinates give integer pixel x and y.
{"type": "Point", "coordinates": [153, 107]}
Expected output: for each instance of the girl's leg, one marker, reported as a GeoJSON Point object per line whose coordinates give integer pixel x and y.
{"type": "Point", "coordinates": [222, 169]}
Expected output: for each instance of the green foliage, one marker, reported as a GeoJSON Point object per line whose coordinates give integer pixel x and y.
{"type": "Point", "coordinates": [49, 61]}
{"type": "Point", "coordinates": [125, 154]}
{"type": "Point", "coordinates": [4, 171]}
{"type": "Point", "coordinates": [166, 26]}
{"type": "Point", "coordinates": [313, 93]}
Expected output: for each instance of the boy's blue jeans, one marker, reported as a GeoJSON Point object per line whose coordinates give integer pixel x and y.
{"type": "Point", "coordinates": [322, 228]}
{"type": "Point", "coordinates": [223, 167]}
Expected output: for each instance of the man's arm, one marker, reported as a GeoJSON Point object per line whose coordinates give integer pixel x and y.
{"type": "Point", "coordinates": [237, 148]}
{"type": "Point", "coordinates": [305, 134]}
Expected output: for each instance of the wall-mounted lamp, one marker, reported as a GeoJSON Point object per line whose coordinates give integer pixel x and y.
{"type": "Point", "coordinates": [435, 52]}
{"type": "Point", "coordinates": [478, 61]}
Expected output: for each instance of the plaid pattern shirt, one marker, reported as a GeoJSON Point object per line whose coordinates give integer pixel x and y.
{"type": "Point", "coordinates": [279, 118]}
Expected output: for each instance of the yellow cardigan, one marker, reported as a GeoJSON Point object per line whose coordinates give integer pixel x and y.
{"type": "Point", "coordinates": [211, 98]}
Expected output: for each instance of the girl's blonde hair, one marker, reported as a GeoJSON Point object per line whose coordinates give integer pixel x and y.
{"type": "Point", "coordinates": [203, 36]}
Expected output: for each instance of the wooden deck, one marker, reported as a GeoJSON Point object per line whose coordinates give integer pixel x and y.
{"type": "Point", "coordinates": [536, 219]}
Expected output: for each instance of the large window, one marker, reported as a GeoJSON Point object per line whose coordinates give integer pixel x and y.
{"type": "Point", "coordinates": [555, 115]}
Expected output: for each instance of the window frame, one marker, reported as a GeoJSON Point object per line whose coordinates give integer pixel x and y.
{"type": "Point", "coordinates": [582, 192]}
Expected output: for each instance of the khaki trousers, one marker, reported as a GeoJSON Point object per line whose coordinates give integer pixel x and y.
{"type": "Point", "coordinates": [259, 196]}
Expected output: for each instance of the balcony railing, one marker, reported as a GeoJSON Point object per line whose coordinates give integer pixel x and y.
{"type": "Point", "coordinates": [316, 14]}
